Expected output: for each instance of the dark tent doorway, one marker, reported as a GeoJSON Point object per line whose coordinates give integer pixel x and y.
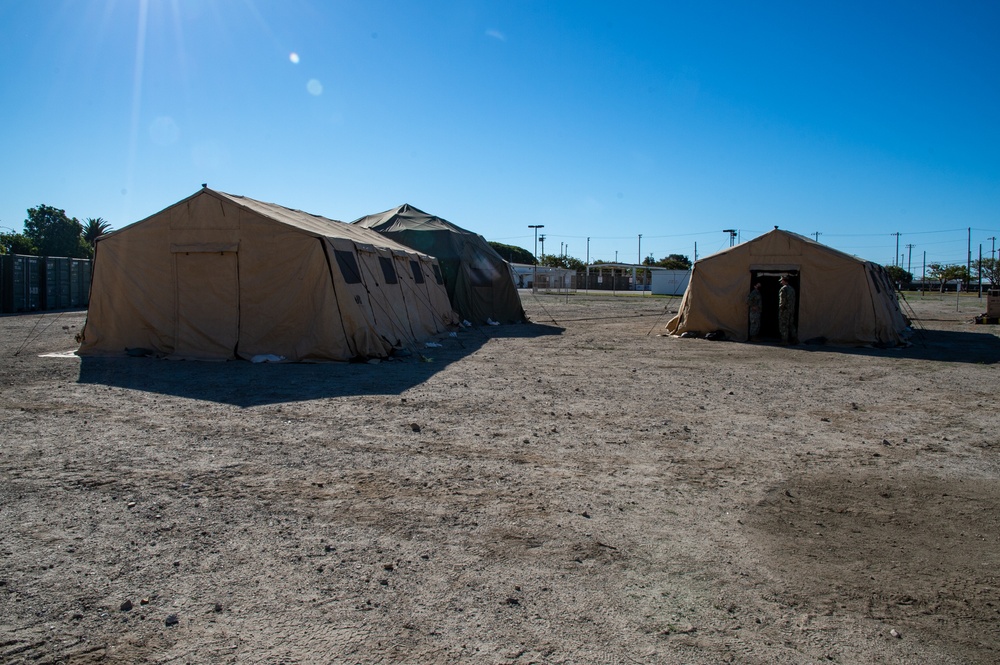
{"type": "Point", "coordinates": [769, 284]}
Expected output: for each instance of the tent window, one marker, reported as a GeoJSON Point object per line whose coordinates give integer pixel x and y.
{"type": "Point", "coordinates": [388, 270]}
{"type": "Point", "coordinates": [348, 265]}
{"type": "Point", "coordinates": [418, 275]}
{"type": "Point", "coordinates": [480, 277]}
{"type": "Point", "coordinates": [437, 274]}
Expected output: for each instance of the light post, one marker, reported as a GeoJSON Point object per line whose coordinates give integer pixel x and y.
{"type": "Point", "coordinates": [534, 272]}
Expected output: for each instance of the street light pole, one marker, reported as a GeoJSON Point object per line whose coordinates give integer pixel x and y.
{"type": "Point", "coordinates": [534, 272]}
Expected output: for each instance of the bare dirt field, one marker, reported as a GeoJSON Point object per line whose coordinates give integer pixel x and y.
{"type": "Point", "coordinates": [577, 490]}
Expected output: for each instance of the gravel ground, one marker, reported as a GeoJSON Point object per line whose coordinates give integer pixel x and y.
{"type": "Point", "coordinates": [581, 489]}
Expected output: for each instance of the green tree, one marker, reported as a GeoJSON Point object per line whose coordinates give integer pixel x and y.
{"type": "Point", "coordinates": [512, 253]}
{"type": "Point", "coordinates": [554, 261]}
{"type": "Point", "coordinates": [674, 262]}
{"type": "Point", "coordinates": [55, 234]}
{"type": "Point", "coordinates": [16, 243]}
{"type": "Point", "coordinates": [989, 269]}
{"type": "Point", "coordinates": [94, 228]}
{"type": "Point", "coordinates": [946, 272]}
{"type": "Point", "coordinates": [898, 275]}
{"type": "Point", "coordinates": [551, 260]}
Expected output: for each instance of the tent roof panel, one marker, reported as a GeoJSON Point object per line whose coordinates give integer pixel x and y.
{"type": "Point", "coordinates": [313, 224]}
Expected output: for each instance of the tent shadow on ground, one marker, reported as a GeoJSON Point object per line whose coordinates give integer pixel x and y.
{"type": "Point", "coordinates": [953, 346]}
{"type": "Point", "coordinates": [245, 384]}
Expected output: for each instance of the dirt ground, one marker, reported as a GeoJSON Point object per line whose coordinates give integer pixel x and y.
{"type": "Point", "coordinates": [577, 490]}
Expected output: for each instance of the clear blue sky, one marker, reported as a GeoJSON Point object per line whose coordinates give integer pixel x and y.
{"type": "Point", "coordinates": [597, 119]}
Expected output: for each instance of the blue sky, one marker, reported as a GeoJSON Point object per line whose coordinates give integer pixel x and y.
{"type": "Point", "coordinates": [607, 120]}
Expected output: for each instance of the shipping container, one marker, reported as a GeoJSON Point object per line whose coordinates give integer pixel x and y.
{"type": "Point", "coordinates": [86, 272]}
{"type": "Point", "coordinates": [79, 282]}
{"type": "Point", "coordinates": [5, 291]}
{"type": "Point", "coordinates": [56, 283]}
{"type": "Point", "coordinates": [21, 283]}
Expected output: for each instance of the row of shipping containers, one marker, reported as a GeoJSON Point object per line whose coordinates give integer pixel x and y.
{"type": "Point", "coordinates": [32, 283]}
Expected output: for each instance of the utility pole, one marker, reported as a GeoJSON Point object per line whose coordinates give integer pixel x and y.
{"type": "Point", "coordinates": [636, 271]}
{"type": "Point", "coordinates": [923, 278]}
{"type": "Point", "coordinates": [732, 235]}
{"type": "Point", "coordinates": [909, 260]}
{"type": "Point", "coordinates": [817, 234]}
{"type": "Point", "coordinates": [541, 239]}
{"type": "Point", "coordinates": [586, 288]}
{"type": "Point", "coordinates": [980, 270]}
{"type": "Point", "coordinates": [534, 272]}
{"type": "Point", "coordinates": [993, 247]}
{"type": "Point", "coordinates": [968, 262]}
{"type": "Point", "coordinates": [639, 262]}
{"type": "Point", "coordinates": [896, 256]}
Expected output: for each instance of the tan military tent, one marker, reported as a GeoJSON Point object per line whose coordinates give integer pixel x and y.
{"type": "Point", "coordinates": [218, 276]}
{"type": "Point", "coordinates": [841, 299]}
{"type": "Point", "coordinates": [480, 283]}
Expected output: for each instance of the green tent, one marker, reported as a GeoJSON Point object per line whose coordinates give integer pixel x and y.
{"type": "Point", "coordinates": [480, 283]}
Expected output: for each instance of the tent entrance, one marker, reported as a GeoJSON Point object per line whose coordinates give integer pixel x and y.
{"type": "Point", "coordinates": [769, 285]}
{"type": "Point", "coordinates": [208, 313]}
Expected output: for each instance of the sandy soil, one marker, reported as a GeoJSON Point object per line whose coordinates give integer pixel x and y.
{"type": "Point", "coordinates": [577, 490]}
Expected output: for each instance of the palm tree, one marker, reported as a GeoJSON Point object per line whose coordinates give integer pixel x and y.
{"type": "Point", "coordinates": [93, 228]}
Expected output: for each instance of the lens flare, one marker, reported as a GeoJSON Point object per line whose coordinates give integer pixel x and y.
{"type": "Point", "coordinates": [294, 57]}
{"type": "Point", "coordinates": [164, 131]}
{"type": "Point", "coordinates": [314, 87]}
